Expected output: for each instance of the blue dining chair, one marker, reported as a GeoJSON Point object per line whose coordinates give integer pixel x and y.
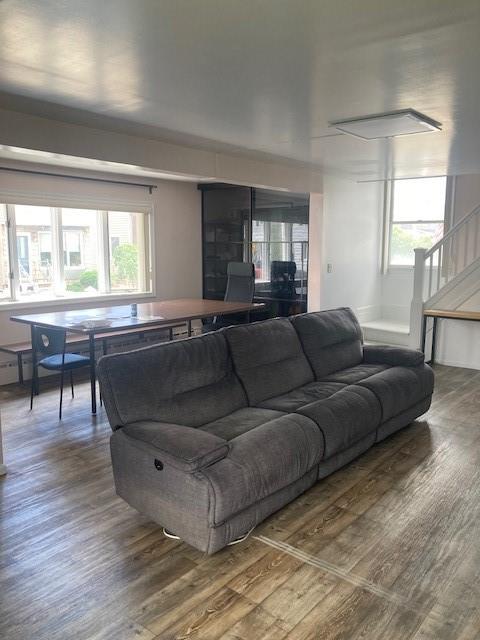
{"type": "Point", "coordinates": [48, 351]}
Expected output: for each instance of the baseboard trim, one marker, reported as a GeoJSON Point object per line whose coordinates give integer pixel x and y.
{"type": "Point", "coordinates": [457, 363]}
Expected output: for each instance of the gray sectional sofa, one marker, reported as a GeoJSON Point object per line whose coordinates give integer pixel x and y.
{"type": "Point", "coordinates": [214, 433]}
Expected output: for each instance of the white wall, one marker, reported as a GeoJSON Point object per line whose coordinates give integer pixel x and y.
{"type": "Point", "coordinates": [466, 195]}
{"type": "Point", "coordinates": [397, 292]}
{"type": "Point", "coordinates": [177, 240]}
{"type": "Point", "coordinates": [351, 244]}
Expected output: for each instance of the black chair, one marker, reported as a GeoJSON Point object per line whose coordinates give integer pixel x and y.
{"type": "Point", "coordinates": [240, 288]}
{"type": "Point", "coordinates": [282, 278]}
{"type": "Point", "coordinates": [282, 285]}
{"type": "Point", "coordinates": [48, 351]}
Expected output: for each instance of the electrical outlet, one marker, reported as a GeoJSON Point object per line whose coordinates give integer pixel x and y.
{"type": "Point", "coordinates": [329, 267]}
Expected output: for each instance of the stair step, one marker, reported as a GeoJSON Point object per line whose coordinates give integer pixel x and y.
{"type": "Point", "coordinates": [386, 331]}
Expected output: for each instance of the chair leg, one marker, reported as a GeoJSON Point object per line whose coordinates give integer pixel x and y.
{"type": "Point", "coordinates": [71, 382]}
{"type": "Point", "coordinates": [32, 391]}
{"type": "Point", "coordinates": [61, 394]}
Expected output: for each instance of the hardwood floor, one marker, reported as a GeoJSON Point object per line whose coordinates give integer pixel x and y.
{"type": "Point", "coordinates": [387, 548]}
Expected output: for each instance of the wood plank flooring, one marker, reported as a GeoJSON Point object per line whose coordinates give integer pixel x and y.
{"type": "Point", "coordinates": [387, 548]}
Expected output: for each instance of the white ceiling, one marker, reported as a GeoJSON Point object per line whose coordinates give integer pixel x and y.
{"type": "Point", "coordinates": [256, 76]}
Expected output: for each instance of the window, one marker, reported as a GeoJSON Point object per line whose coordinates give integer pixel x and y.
{"type": "Point", "coordinates": [125, 242]}
{"type": "Point", "coordinates": [45, 246]}
{"type": "Point", "coordinates": [417, 217]}
{"type": "Point", "coordinates": [72, 254]}
{"type": "Point", "coordinates": [51, 252]}
{"type": "Point", "coordinates": [33, 230]}
{"type": "Point", "coordinates": [4, 256]}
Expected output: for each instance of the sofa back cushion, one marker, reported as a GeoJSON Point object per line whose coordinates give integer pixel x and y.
{"type": "Point", "coordinates": [268, 358]}
{"type": "Point", "coordinates": [332, 340]}
{"type": "Point", "coordinates": [189, 382]}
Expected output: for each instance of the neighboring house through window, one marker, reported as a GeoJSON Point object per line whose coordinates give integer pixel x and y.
{"type": "Point", "coordinates": [51, 252]}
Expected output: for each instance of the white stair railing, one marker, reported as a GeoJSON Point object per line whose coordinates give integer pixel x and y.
{"type": "Point", "coordinates": [451, 255]}
{"type": "Point", "coordinates": [436, 267]}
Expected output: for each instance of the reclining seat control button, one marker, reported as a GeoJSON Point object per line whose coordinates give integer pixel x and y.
{"type": "Point", "coordinates": [158, 465]}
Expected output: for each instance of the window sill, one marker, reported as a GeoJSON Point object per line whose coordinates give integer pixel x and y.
{"type": "Point", "coordinates": [71, 303]}
{"type": "Point", "coordinates": [400, 267]}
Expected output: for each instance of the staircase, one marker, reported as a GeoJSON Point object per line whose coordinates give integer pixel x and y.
{"type": "Point", "coordinates": [447, 277]}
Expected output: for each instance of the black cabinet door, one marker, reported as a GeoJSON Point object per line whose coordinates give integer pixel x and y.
{"type": "Point", "coordinates": [226, 232]}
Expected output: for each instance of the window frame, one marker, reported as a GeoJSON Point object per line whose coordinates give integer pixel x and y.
{"type": "Point", "coordinates": [388, 205]}
{"type": "Point", "coordinates": [57, 202]}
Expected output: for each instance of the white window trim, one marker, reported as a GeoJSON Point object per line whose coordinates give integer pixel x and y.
{"type": "Point", "coordinates": [388, 223]}
{"type": "Point", "coordinates": [56, 202]}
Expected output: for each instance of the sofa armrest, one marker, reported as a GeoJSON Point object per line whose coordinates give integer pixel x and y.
{"type": "Point", "coordinates": [395, 356]}
{"type": "Point", "coordinates": [184, 448]}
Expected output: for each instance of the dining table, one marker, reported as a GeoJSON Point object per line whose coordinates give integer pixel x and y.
{"type": "Point", "coordinates": [91, 323]}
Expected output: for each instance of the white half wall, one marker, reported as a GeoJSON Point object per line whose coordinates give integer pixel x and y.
{"type": "Point", "coordinates": [458, 343]}
{"type": "Point", "coordinates": [352, 228]}
{"type": "Point", "coordinates": [53, 136]}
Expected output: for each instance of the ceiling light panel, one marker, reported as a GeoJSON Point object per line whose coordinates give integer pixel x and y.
{"type": "Point", "coordinates": [387, 125]}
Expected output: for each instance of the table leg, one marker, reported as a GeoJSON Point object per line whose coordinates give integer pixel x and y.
{"type": "Point", "coordinates": [434, 340]}
{"type": "Point", "coordinates": [34, 361]}
{"type": "Point", "coordinates": [91, 340]}
{"type": "Point", "coordinates": [20, 367]}
{"type": "Point", "coordinates": [424, 333]}
{"type": "Point", "coordinates": [189, 328]}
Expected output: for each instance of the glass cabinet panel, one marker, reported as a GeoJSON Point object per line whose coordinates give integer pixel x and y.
{"type": "Point", "coordinates": [226, 222]}
{"type": "Point", "coordinates": [280, 250]}
{"type": "Point", "coordinates": [268, 228]}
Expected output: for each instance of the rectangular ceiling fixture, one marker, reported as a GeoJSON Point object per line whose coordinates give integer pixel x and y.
{"type": "Point", "coordinates": [387, 125]}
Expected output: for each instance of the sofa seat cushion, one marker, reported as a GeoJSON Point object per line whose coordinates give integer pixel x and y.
{"type": "Point", "coordinates": [332, 340]}
{"type": "Point", "coordinates": [399, 388]}
{"type": "Point", "coordinates": [261, 462]}
{"type": "Point", "coordinates": [344, 418]}
{"type": "Point", "coordinates": [303, 395]}
{"type": "Point", "coordinates": [351, 375]}
{"type": "Point", "coordinates": [240, 421]}
{"type": "Point", "coordinates": [268, 358]}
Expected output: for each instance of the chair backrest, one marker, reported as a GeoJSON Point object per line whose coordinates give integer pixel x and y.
{"type": "Point", "coordinates": [48, 341]}
{"type": "Point", "coordinates": [282, 277]}
{"type": "Point", "coordinates": [241, 282]}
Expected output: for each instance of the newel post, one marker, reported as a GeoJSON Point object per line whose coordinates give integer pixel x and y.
{"type": "Point", "coordinates": [416, 308]}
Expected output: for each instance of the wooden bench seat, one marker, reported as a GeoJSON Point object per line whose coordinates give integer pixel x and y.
{"type": "Point", "coordinates": [19, 349]}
